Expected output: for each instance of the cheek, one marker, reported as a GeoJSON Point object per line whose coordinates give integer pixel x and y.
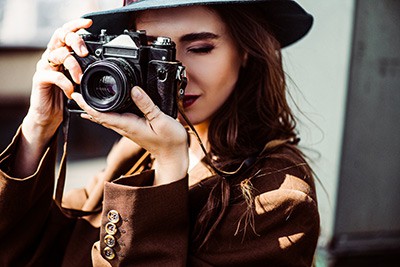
{"type": "Point", "coordinates": [223, 72]}
{"type": "Point", "coordinates": [213, 73]}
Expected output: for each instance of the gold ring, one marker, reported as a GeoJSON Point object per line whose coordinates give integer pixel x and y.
{"type": "Point", "coordinates": [52, 64]}
{"type": "Point", "coordinates": [155, 109]}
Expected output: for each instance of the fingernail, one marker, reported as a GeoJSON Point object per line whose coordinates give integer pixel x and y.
{"type": "Point", "coordinates": [73, 95]}
{"type": "Point", "coordinates": [83, 50]}
{"type": "Point", "coordinates": [136, 93]}
{"type": "Point", "coordinates": [88, 20]}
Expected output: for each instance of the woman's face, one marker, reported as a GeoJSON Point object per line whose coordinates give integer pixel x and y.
{"type": "Point", "coordinates": [205, 48]}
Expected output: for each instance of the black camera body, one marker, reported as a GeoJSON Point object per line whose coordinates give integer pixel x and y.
{"type": "Point", "coordinates": [116, 63]}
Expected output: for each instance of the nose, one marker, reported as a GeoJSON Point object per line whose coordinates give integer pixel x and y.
{"type": "Point", "coordinates": [178, 58]}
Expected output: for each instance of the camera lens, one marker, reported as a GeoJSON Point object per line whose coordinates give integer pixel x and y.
{"type": "Point", "coordinates": [106, 85]}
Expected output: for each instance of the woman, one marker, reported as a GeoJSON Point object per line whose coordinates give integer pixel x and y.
{"type": "Point", "coordinates": [249, 202]}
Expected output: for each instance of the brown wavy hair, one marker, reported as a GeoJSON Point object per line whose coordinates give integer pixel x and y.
{"type": "Point", "coordinates": [256, 113]}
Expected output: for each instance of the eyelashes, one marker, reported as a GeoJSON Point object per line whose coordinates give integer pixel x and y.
{"type": "Point", "coordinates": [205, 49]}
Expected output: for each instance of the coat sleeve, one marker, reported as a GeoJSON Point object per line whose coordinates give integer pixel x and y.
{"type": "Point", "coordinates": [26, 210]}
{"type": "Point", "coordinates": [143, 225]}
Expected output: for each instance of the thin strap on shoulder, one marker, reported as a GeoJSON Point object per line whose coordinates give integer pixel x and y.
{"type": "Point", "coordinates": [71, 213]}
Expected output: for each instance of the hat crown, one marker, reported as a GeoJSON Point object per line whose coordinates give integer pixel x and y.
{"type": "Point", "coordinates": [288, 20]}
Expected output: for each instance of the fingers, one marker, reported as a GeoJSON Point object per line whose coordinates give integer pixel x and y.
{"type": "Point", "coordinates": [145, 104]}
{"type": "Point", "coordinates": [46, 105]}
{"type": "Point", "coordinates": [63, 56]}
{"type": "Point", "coordinates": [65, 40]}
{"type": "Point", "coordinates": [59, 52]}
{"type": "Point", "coordinates": [114, 121]}
{"type": "Point", "coordinates": [73, 40]}
{"type": "Point", "coordinates": [118, 121]}
{"type": "Point", "coordinates": [162, 136]}
{"type": "Point", "coordinates": [48, 77]}
{"type": "Point", "coordinates": [66, 35]}
{"type": "Point", "coordinates": [152, 114]}
{"type": "Point", "coordinates": [91, 113]}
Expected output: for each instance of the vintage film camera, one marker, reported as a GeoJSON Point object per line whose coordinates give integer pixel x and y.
{"type": "Point", "coordinates": [116, 63]}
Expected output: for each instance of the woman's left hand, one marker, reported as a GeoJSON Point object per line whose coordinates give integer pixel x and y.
{"type": "Point", "coordinates": [164, 137]}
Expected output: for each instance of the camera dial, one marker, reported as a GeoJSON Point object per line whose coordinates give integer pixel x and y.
{"type": "Point", "coordinates": [162, 41]}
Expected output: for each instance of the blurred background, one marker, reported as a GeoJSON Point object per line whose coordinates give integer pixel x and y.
{"type": "Point", "coordinates": [344, 80]}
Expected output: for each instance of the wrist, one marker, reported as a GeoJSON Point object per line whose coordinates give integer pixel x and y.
{"type": "Point", "coordinates": [37, 131]}
{"type": "Point", "coordinates": [36, 136]}
{"type": "Point", "coordinates": [171, 166]}
{"type": "Point", "coordinates": [31, 146]}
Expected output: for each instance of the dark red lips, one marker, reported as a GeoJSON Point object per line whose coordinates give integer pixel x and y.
{"type": "Point", "coordinates": [189, 100]}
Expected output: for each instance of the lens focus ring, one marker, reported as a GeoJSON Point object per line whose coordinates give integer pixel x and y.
{"type": "Point", "coordinates": [106, 85]}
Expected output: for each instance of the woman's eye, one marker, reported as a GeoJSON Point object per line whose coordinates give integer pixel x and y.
{"type": "Point", "coordinates": [201, 50]}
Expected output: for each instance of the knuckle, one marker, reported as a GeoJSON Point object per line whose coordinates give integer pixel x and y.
{"type": "Point", "coordinates": [35, 78]}
{"type": "Point", "coordinates": [49, 46]}
{"type": "Point", "coordinates": [52, 57]}
{"type": "Point", "coordinates": [71, 38]}
{"type": "Point", "coordinates": [67, 25]}
{"type": "Point", "coordinates": [45, 54]}
{"type": "Point", "coordinates": [146, 105]}
{"type": "Point", "coordinates": [59, 77]}
{"type": "Point", "coordinates": [58, 31]}
{"type": "Point", "coordinates": [71, 63]}
{"type": "Point", "coordinates": [101, 122]}
{"type": "Point", "coordinates": [40, 64]}
{"type": "Point", "coordinates": [79, 40]}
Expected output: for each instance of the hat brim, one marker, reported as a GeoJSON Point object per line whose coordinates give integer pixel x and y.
{"type": "Point", "coordinates": [288, 20]}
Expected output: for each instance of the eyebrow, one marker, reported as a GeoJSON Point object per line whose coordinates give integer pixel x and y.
{"type": "Point", "coordinates": [198, 36]}
{"type": "Point", "coordinates": [190, 37]}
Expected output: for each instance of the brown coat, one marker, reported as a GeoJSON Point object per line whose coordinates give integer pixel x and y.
{"type": "Point", "coordinates": [155, 221]}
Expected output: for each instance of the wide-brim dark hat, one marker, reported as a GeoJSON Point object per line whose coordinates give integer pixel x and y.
{"type": "Point", "coordinates": [288, 20]}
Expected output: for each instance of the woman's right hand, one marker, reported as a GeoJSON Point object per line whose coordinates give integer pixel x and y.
{"type": "Point", "coordinates": [49, 85]}
{"type": "Point", "coordinates": [46, 103]}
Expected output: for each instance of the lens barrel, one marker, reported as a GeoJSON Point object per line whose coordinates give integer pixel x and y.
{"type": "Point", "coordinates": [106, 85]}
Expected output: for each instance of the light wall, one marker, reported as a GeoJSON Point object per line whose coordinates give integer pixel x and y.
{"type": "Point", "coordinates": [318, 67]}
{"type": "Point", "coordinates": [16, 71]}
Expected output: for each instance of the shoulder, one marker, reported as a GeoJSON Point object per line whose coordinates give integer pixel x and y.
{"type": "Point", "coordinates": [274, 210]}
{"type": "Point", "coordinates": [284, 196]}
{"type": "Point", "coordinates": [283, 169]}
{"type": "Point", "coordinates": [283, 187]}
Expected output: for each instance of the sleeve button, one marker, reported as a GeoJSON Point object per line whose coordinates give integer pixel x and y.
{"type": "Point", "coordinates": [113, 216]}
{"type": "Point", "coordinates": [109, 240]}
{"type": "Point", "coordinates": [109, 253]}
{"type": "Point", "coordinates": [111, 228]}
